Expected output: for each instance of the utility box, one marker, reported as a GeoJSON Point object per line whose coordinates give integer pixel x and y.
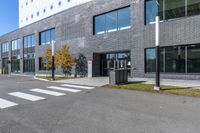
{"type": "Point", "coordinates": [119, 76]}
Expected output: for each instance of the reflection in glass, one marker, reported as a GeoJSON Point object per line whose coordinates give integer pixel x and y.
{"type": "Point", "coordinates": [46, 37]}
{"type": "Point", "coordinates": [124, 19]}
{"type": "Point", "coordinates": [100, 24]}
{"type": "Point", "coordinates": [150, 60]}
{"type": "Point", "coordinates": [115, 20]}
{"type": "Point", "coordinates": [193, 59]}
{"type": "Point", "coordinates": [174, 9]}
{"type": "Point", "coordinates": [193, 7]}
{"type": "Point", "coordinates": [175, 59]}
{"type": "Point", "coordinates": [151, 11]}
{"type": "Point", "coordinates": [111, 21]}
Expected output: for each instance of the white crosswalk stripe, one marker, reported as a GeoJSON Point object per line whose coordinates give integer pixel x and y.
{"type": "Point", "coordinates": [78, 86]}
{"type": "Point", "coordinates": [63, 89]}
{"type": "Point", "coordinates": [27, 96]}
{"type": "Point", "coordinates": [53, 93]}
{"type": "Point", "coordinates": [6, 104]}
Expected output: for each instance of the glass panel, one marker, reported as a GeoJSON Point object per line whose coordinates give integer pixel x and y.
{"type": "Point", "coordinates": [160, 9]}
{"type": "Point", "coordinates": [32, 41]}
{"type": "Point", "coordinates": [193, 61]}
{"type": "Point", "coordinates": [123, 55]}
{"type": "Point", "coordinates": [124, 18]}
{"type": "Point", "coordinates": [48, 37]}
{"type": "Point", "coordinates": [29, 41]}
{"type": "Point", "coordinates": [53, 35]}
{"type": "Point", "coordinates": [100, 24]}
{"type": "Point", "coordinates": [113, 56]}
{"type": "Point", "coordinates": [111, 21]}
{"type": "Point", "coordinates": [18, 45]}
{"type": "Point", "coordinates": [151, 11]}
{"type": "Point", "coordinates": [162, 54]}
{"type": "Point", "coordinates": [193, 7]}
{"type": "Point", "coordinates": [174, 8]}
{"type": "Point", "coordinates": [151, 60]}
{"type": "Point", "coordinates": [175, 59]}
{"type": "Point", "coordinates": [25, 42]}
{"type": "Point", "coordinates": [43, 36]}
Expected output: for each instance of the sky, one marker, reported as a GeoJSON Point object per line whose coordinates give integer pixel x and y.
{"type": "Point", "coordinates": [8, 16]}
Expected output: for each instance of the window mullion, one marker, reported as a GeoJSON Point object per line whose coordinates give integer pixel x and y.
{"type": "Point", "coordinates": [186, 8]}
{"type": "Point", "coordinates": [186, 60]}
{"type": "Point", "coordinates": [163, 9]}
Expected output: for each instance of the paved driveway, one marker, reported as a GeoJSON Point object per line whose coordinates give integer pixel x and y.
{"type": "Point", "coordinates": [92, 110]}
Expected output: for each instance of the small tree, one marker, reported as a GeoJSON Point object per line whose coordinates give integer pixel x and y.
{"type": "Point", "coordinates": [47, 56]}
{"type": "Point", "coordinates": [81, 65]}
{"type": "Point", "coordinates": [64, 59]}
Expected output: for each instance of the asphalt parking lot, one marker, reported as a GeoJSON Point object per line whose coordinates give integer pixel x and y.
{"type": "Point", "coordinates": [32, 106]}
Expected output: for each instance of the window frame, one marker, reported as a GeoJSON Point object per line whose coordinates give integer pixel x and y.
{"type": "Point", "coordinates": [186, 71]}
{"type": "Point", "coordinates": [51, 36]}
{"type": "Point", "coordinates": [164, 14]}
{"type": "Point", "coordinates": [105, 13]}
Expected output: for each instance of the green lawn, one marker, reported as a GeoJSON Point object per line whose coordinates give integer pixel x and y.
{"type": "Point", "coordinates": [165, 89]}
{"type": "Point", "coordinates": [56, 77]}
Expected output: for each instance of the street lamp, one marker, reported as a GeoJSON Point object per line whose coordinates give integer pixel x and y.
{"type": "Point", "coordinates": [157, 39]}
{"type": "Point", "coordinates": [53, 59]}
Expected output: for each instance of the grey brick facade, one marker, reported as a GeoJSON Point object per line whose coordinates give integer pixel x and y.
{"type": "Point", "coordinates": [75, 26]}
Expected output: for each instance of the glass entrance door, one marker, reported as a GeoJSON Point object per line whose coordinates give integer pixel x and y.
{"type": "Point", "coordinates": [111, 61]}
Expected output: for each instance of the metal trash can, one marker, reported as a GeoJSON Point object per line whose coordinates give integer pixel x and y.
{"type": "Point", "coordinates": [119, 76]}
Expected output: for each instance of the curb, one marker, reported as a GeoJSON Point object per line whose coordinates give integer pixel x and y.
{"type": "Point", "coordinates": [41, 79]}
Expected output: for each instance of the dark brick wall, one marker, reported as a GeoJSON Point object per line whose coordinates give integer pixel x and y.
{"type": "Point", "coordinates": [75, 27]}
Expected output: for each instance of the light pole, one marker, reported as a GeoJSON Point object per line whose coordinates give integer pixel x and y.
{"type": "Point", "coordinates": [157, 40]}
{"type": "Point", "coordinates": [53, 59]}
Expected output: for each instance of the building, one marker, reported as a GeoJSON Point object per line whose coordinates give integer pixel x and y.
{"type": "Point", "coordinates": [31, 11]}
{"type": "Point", "coordinates": [114, 33]}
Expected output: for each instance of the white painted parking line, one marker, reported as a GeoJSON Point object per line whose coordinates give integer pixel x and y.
{"type": "Point", "coordinates": [78, 86]}
{"type": "Point", "coordinates": [27, 96]}
{"type": "Point", "coordinates": [6, 104]}
{"type": "Point", "coordinates": [63, 89]}
{"type": "Point", "coordinates": [53, 93]}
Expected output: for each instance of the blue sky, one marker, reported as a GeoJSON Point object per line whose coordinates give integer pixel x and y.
{"type": "Point", "coordinates": [8, 16]}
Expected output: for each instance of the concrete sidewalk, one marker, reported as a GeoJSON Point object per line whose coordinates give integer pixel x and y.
{"type": "Point", "coordinates": [101, 81]}
{"type": "Point", "coordinates": [171, 82]}
{"type": "Point", "coordinates": [96, 81]}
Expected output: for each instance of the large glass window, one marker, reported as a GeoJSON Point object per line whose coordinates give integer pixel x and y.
{"type": "Point", "coordinates": [100, 27]}
{"type": "Point", "coordinates": [29, 65]}
{"type": "Point", "coordinates": [46, 37]}
{"type": "Point", "coordinates": [111, 21]}
{"type": "Point", "coordinates": [29, 41]}
{"type": "Point", "coordinates": [15, 64]}
{"type": "Point", "coordinates": [5, 47]}
{"type": "Point", "coordinates": [151, 11]}
{"type": "Point", "coordinates": [29, 53]}
{"type": "Point", "coordinates": [41, 64]}
{"type": "Point", "coordinates": [175, 59]}
{"type": "Point", "coordinates": [115, 20]}
{"type": "Point", "coordinates": [150, 60]}
{"type": "Point", "coordinates": [170, 9]}
{"type": "Point", "coordinates": [161, 8]}
{"type": "Point", "coordinates": [15, 56]}
{"type": "Point", "coordinates": [193, 7]}
{"type": "Point", "coordinates": [174, 9]}
{"type": "Point", "coordinates": [15, 44]}
{"type": "Point", "coordinates": [193, 59]}
{"type": "Point", "coordinates": [124, 19]}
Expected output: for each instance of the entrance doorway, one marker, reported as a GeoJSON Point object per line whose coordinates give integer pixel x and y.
{"type": "Point", "coordinates": [115, 60]}
{"type": "Point", "coordinates": [5, 66]}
